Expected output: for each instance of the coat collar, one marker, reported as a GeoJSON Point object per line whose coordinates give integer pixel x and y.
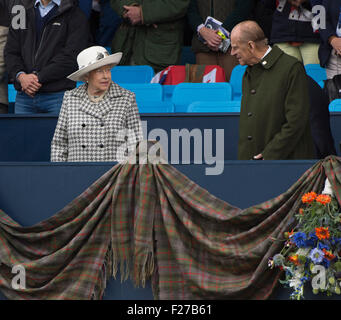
{"type": "Point", "coordinates": [268, 61]}
{"type": "Point", "coordinates": [102, 108]}
{"type": "Point", "coordinates": [271, 58]}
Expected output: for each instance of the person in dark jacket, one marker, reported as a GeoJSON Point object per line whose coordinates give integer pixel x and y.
{"type": "Point", "coordinates": [4, 23]}
{"type": "Point", "coordinates": [274, 116]}
{"type": "Point", "coordinates": [293, 31]}
{"type": "Point", "coordinates": [320, 121]}
{"type": "Point", "coordinates": [330, 48]}
{"type": "Point", "coordinates": [229, 12]}
{"type": "Point", "coordinates": [40, 56]}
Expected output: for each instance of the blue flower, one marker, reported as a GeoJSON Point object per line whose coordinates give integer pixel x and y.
{"type": "Point", "coordinates": [334, 241]}
{"type": "Point", "coordinates": [312, 239]}
{"type": "Point", "coordinates": [326, 263]}
{"type": "Point", "coordinates": [299, 238]}
{"type": "Point", "coordinates": [322, 246]}
{"type": "Point", "coordinates": [316, 255]}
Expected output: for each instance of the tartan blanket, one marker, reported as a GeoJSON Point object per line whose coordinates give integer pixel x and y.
{"type": "Point", "coordinates": [151, 221]}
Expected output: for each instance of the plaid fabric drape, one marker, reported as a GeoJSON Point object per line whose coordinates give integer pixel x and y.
{"type": "Point", "coordinates": [154, 221]}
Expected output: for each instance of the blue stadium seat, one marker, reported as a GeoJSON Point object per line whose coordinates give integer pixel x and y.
{"type": "Point", "coordinates": [186, 93]}
{"type": "Point", "coordinates": [149, 97]}
{"type": "Point", "coordinates": [132, 74]}
{"type": "Point", "coordinates": [335, 106]}
{"type": "Point", "coordinates": [156, 107]}
{"type": "Point", "coordinates": [168, 90]}
{"type": "Point", "coordinates": [236, 81]}
{"type": "Point", "coordinates": [145, 92]}
{"type": "Point", "coordinates": [316, 72]}
{"type": "Point", "coordinates": [12, 93]}
{"type": "Point", "coordinates": [321, 84]}
{"type": "Point", "coordinates": [214, 106]}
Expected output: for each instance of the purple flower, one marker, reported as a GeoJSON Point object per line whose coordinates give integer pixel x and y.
{"type": "Point", "coordinates": [316, 255]}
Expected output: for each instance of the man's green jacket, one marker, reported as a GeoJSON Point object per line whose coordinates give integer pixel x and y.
{"type": "Point", "coordinates": [274, 117]}
{"type": "Point", "coordinates": [158, 40]}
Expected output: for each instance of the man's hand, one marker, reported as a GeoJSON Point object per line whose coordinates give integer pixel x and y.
{"type": "Point", "coordinates": [29, 83]}
{"type": "Point", "coordinates": [133, 13]}
{"type": "Point", "coordinates": [297, 3]}
{"type": "Point", "coordinates": [211, 37]}
{"type": "Point", "coordinates": [258, 157]}
{"type": "Point", "coordinates": [336, 44]}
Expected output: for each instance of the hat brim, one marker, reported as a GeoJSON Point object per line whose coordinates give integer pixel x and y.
{"type": "Point", "coordinates": [112, 59]}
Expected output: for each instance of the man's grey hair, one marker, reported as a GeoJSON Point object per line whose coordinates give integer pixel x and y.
{"type": "Point", "coordinates": [251, 31]}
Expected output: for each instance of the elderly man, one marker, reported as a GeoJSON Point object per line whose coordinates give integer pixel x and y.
{"type": "Point", "coordinates": [42, 53]}
{"type": "Point", "coordinates": [274, 117]}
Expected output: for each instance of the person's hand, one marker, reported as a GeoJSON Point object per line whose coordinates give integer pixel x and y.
{"type": "Point", "coordinates": [133, 13]}
{"type": "Point", "coordinates": [297, 3]}
{"type": "Point", "coordinates": [212, 39]}
{"type": "Point", "coordinates": [213, 48]}
{"type": "Point", "coordinates": [336, 44]}
{"type": "Point", "coordinates": [258, 157]}
{"type": "Point", "coordinates": [29, 83]}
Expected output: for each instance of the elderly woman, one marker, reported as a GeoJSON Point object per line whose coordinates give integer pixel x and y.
{"type": "Point", "coordinates": [99, 120]}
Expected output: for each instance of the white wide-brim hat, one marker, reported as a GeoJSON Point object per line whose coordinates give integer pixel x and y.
{"type": "Point", "coordinates": [93, 58]}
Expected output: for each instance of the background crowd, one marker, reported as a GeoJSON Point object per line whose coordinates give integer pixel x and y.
{"type": "Point", "coordinates": [151, 33]}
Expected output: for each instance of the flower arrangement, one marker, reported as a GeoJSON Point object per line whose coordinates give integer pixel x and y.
{"type": "Point", "coordinates": [315, 244]}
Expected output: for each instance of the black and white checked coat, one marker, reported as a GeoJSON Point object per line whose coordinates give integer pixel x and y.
{"type": "Point", "coordinates": [102, 131]}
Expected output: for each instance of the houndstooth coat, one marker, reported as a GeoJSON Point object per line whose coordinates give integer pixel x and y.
{"type": "Point", "coordinates": [103, 131]}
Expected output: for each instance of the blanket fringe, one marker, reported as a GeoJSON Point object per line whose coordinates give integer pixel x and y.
{"type": "Point", "coordinates": [103, 276]}
{"type": "Point", "coordinates": [142, 271]}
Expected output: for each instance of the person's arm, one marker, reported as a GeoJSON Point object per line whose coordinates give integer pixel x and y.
{"type": "Point", "coordinates": [59, 144]}
{"type": "Point", "coordinates": [64, 62]}
{"type": "Point", "coordinates": [117, 5]}
{"type": "Point", "coordinates": [133, 124]}
{"type": "Point", "coordinates": [12, 54]}
{"type": "Point", "coordinates": [159, 11]}
{"type": "Point", "coordinates": [329, 32]}
{"type": "Point", "coordinates": [193, 16]}
{"type": "Point", "coordinates": [297, 108]}
{"type": "Point", "coordinates": [240, 13]}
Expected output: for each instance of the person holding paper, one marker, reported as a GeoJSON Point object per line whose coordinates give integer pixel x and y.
{"type": "Point", "coordinates": [229, 12]}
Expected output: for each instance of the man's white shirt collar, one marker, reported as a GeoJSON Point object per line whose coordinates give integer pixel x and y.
{"type": "Point", "coordinates": [267, 52]}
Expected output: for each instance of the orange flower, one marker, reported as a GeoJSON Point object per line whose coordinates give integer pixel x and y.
{"type": "Point", "coordinates": [328, 254]}
{"type": "Point", "coordinates": [322, 233]}
{"type": "Point", "coordinates": [323, 199]}
{"type": "Point", "coordinates": [294, 259]}
{"type": "Point", "coordinates": [309, 197]}
{"type": "Point", "coordinates": [287, 235]}
{"type": "Point", "coordinates": [301, 211]}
